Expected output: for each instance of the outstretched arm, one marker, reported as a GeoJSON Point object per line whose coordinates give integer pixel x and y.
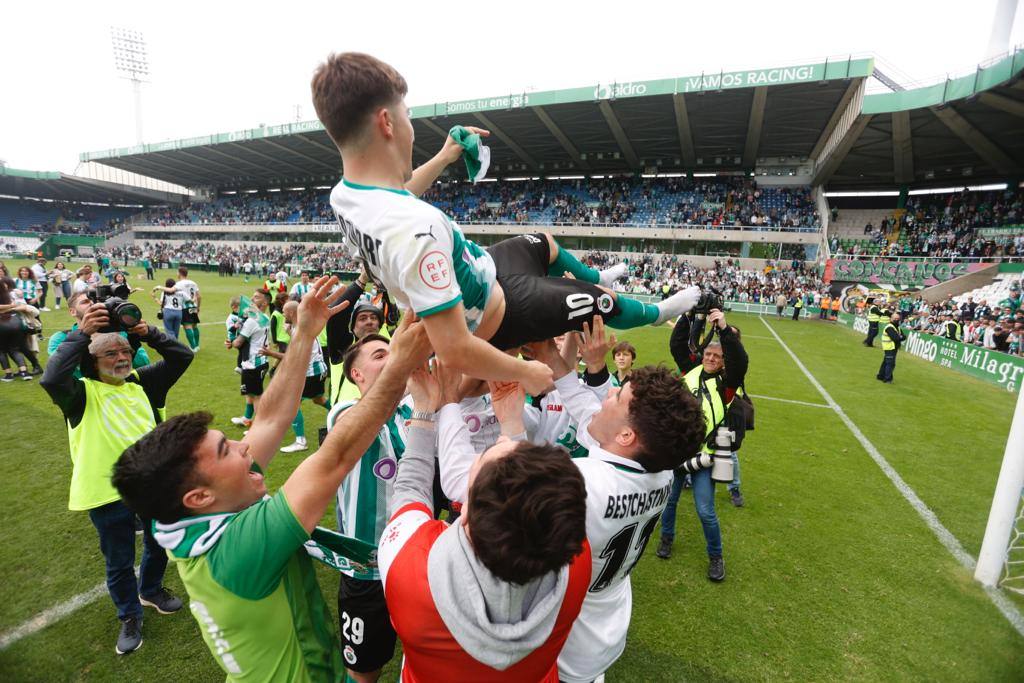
{"type": "Point", "coordinates": [424, 176]}
{"type": "Point", "coordinates": [315, 481]}
{"type": "Point", "coordinates": [283, 395]}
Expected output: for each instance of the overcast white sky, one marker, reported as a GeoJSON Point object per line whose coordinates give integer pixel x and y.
{"type": "Point", "coordinates": [220, 66]}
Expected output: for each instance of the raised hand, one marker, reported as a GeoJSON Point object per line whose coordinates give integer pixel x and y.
{"type": "Point", "coordinates": [596, 344]}
{"type": "Point", "coordinates": [317, 306]}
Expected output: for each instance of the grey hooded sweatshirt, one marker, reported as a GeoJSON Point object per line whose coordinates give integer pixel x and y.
{"type": "Point", "coordinates": [496, 622]}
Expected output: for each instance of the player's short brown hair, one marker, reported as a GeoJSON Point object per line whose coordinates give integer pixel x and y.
{"type": "Point", "coordinates": [666, 417]}
{"type": "Point", "coordinates": [528, 513]}
{"type": "Point", "coordinates": [347, 88]}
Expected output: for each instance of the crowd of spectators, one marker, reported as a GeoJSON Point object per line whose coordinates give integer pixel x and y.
{"type": "Point", "coordinates": [257, 259]}
{"type": "Point", "coordinates": [651, 273]}
{"type": "Point", "coordinates": [713, 202]}
{"type": "Point", "coordinates": [954, 225]}
{"type": "Point", "coordinates": [300, 206]}
{"type": "Point", "coordinates": [994, 325]}
{"type": "Point", "coordinates": [717, 202]}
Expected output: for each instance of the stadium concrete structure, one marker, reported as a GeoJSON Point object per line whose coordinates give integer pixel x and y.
{"type": "Point", "coordinates": [810, 125]}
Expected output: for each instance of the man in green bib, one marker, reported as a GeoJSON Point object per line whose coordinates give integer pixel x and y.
{"type": "Point", "coordinates": [245, 556]}
{"type": "Point", "coordinates": [107, 408]}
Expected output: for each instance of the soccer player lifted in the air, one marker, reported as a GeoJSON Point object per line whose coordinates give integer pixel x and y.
{"type": "Point", "coordinates": [474, 302]}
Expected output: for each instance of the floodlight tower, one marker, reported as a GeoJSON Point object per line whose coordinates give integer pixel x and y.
{"type": "Point", "coordinates": [131, 62]}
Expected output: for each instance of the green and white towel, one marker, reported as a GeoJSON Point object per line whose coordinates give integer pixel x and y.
{"type": "Point", "coordinates": [475, 153]}
{"type": "Point", "coordinates": [194, 536]}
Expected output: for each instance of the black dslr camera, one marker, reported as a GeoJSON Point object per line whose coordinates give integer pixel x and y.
{"type": "Point", "coordinates": [710, 299]}
{"type": "Point", "coordinates": [123, 314]}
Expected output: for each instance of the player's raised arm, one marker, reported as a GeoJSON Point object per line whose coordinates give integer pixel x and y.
{"type": "Point", "coordinates": [424, 176]}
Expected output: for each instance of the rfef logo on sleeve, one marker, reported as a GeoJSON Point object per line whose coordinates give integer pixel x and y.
{"type": "Point", "coordinates": [435, 270]}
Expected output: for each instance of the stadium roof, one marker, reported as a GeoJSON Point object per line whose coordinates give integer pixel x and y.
{"type": "Point", "coordinates": [53, 185]}
{"type": "Point", "coordinates": [812, 114]}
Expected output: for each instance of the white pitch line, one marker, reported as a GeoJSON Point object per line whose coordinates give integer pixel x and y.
{"type": "Point", "coordinates": [789, 400]}
{"type": "Point", "coordinates": [1002, 603]}
{"type": "Point", "coordinates": [52, 615]}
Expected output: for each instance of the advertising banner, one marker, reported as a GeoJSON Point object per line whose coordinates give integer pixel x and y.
{"type": "Point", "coordinates": [997, 368]}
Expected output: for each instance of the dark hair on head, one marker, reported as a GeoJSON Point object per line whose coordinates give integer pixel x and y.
{"type": "Point", "coordinates": [169, 282]}
{"type": "Point", "coordinates": [624, 347]}
{"type": "Point", "coordinates": [31, 275]}
{"type": "Point", "coordinates": [280, 300]}
{"type": "Point", "coordinates": [155, 472]}
{"type": "Point", "coordinates": [527, 513]}
{"type": "Point", "coordinates": [666, 417]}
{"type": "Point", "coordinates": [182, 271]}
{"type": "Point", "coordinates": [353, 353]}
{"type": "Point", "coordinates": [348, 88]}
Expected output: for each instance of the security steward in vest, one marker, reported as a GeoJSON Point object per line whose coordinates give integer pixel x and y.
{"type": "Point", "coordinates": [952, 328]}
{"type": "Point", "coordinates": [892, 337]}
{"type": "Point", "coordinates": [874, 312]}
{"type": "Point", "coordinates": [714, 376]}
{"type": "Point", "coordinates": [107, 409]}
{"type": "Point", "coordinates": [798, 304]}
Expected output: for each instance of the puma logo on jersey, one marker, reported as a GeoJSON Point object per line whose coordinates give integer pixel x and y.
{"type": "Point", "coordinates": [428, 233]}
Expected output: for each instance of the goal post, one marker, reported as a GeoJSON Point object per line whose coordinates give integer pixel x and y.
{"type": "Point", "coordinates": [1005, 503]}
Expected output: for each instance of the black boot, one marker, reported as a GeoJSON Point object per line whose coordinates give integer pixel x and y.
{"type": "Point", "coordinates": [664, 548]}
{"type": "Point", "coordinates": [716, 568]}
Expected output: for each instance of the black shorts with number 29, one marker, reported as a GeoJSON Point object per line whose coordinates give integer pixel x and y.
{"type": "Point", "coordinates": [539, 307]}
{"type": "Point", "coordinates": [367, 636]}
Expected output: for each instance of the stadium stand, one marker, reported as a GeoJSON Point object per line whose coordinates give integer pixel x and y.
{"type": "Point", "coordinates": [994, 292]}
{"type": "Point", "coordinates": [10, 244]}
{"type": "Point", "coordinates": [974, 224]}
{"type": "Point", "coordinates": [33, 215]}
{"type": "Point", "coordinates": [624, 200]}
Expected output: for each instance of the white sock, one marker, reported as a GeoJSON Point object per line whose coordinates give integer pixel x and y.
{"type": "Point", "coordinates": [610, 275]}
{"type": "Point", "coordinates": [679, 303]}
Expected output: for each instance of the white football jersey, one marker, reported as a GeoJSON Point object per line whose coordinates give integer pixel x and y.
{"type": "Point", "coordinates": [414, 250]}
{"type": "Point", "coordinates": [550, 421]}
{"type": "Point", "coordinates": [482, 425]}
{"type": "Point", "coordinates": [624, 506]}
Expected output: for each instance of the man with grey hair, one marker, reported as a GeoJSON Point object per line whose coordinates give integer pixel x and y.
{"type": "Point", "coordinates": [108, 408]}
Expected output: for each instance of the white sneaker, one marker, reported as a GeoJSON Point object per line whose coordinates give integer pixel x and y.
{"type": "Point", "coordinates": [47, 310]}
{"type": "Point", "coordinates": [610, 275]}
{"type": "Point", "coordinates": [195, 350]}
{"type": "Point", "coordinates": [299, 445]}
{"type": "Point", "coordinates": [238, 370]}
{"type": "Point", "coordinates": [240, 421]}
{"type": "Point", "coordinates": [679, 303]}
{"type": "Point", "coordinates": [58, 307]}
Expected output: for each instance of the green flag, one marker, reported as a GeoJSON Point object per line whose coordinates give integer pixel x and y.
{"type": "Point", "coordinates": [475, 153]}
{"type": "Point", "coordinates": [246, 309]}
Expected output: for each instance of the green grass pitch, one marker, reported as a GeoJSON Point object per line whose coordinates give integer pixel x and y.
{"type": "Point", "coordinates": [831, 574]}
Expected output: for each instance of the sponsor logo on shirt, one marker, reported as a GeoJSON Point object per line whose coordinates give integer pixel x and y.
{"type": "Point", "coordinates": [435, 271]}
{"type": "Point", "coordinates": [350, 654]}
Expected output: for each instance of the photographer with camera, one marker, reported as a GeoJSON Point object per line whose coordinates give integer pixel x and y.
{"type": "Point", "coordinates": [713, 371]}
{"type": "Point", "coordinates": [107, 409]}
{"type": "Point", "coordinates": [78, 306]}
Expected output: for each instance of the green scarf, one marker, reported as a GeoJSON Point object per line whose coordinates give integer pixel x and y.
{"type": "Point", "coordinates": [193, 536]}
{"type": "Point", "coordinates": [475, 153]}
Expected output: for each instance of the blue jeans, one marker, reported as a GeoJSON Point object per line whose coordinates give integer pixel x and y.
{"type": "Point", "coordinates": [116, 526]}
{"type": "Point", "coordinates": [735, 483]}
{"type": "Point", "coordinates": [704, 501]}
{"type": "Point", "coordinates": [172, 322]}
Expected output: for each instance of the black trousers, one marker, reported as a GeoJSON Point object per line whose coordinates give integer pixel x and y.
{"type": "Point", "coordinates": [888, 365]}
{"type": "Point", "coordinates": [872, 333]}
